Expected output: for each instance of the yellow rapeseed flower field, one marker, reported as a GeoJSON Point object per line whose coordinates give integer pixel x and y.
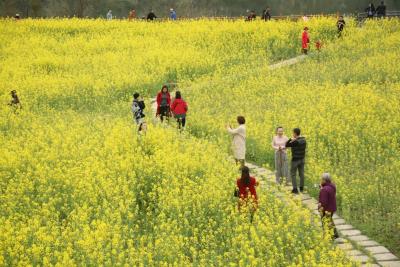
{"type": "Point", "coordinates": [345, 99]}
{"type": "Point", "coordinates": [79, 187]}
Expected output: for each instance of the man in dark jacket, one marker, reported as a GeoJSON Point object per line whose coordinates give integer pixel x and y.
{"type": "Point", "coordinates": [381, 10]}
{"type": "Point", "coordinates": [266, 15]}
{"type": "Point", "coordinates": [327, 204]}
{"type": "Point", "coordinates": [151, 15]}
{"type": "Point", "coordinates": [298, 144]}
{"type": "Point", "coordinates": [370, 11]}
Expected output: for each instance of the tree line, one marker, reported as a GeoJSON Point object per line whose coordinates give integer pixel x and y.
{"type": "Point", "coordinates": [184, 8]}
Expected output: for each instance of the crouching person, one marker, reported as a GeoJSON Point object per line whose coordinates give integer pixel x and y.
{"type": "Point", "coordinates": [327, 204]}
{"type": "Point", "coordinates": [246, 191]}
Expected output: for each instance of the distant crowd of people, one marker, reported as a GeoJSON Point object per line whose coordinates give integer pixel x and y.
{"type": "Point", "coordinates": [150, 16]}
{"type": "Point", "coordinates": [371, 11]}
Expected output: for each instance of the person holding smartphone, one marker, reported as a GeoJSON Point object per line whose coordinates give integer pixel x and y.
{"type": "Point", "coordinates": [298, 145]}
{"type": "Point", "coordinates": [239, 140]}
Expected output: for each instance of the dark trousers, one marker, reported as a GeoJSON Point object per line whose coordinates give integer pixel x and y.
{"type": "Point", "coordinates": [328, 224]}
{"type": "Point", "coordinates": [297, 164]}
{"type": "Point", "coordinates": [164, 112]}
{"type": "Point", "coordinates": [181, 120]}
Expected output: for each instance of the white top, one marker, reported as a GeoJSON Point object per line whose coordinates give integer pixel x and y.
{"type": "Point", "coordinates": [239, 141]}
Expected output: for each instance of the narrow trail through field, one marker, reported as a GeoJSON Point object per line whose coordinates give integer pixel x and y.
{"type": "Point", "coordinates": [360, 248]}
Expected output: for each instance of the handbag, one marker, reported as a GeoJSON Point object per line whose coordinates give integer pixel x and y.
{"type": "Point", "coordinates": [236, 192]}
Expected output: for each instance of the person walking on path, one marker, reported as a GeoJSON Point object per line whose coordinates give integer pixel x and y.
{"type": "Point", "coordinates": [179, 108]}
{"type": "Point", "coordinates": [239, 140]}
{"type": "Point", "coordinates": [340, 25]}
{"type": "Point", "coordinates": [172, 14]}
{"type": "Point", "coordinates": [298, 145]}
{"type": "Point", "coordinates": [381, 10]}
{"type": "Point", "coordinates": [266, 15]}
{"type": "Point", "coordinates": [109, 15]}
{"type": "Point", "coordinates": [327, 204]}
{"type": "Point", "coordinates": [163, 103]}
{"type": "Point", "coordinates": [305, 40]}
{"type": "Point", "coordinates": [370, 11]}
{"type": "Point", "coordinates": [15, 103]}
{"type": "Point", "coordinates": [138, 107]}
{"type": "Point", "coordinates": [151, 16]}
{"type": "Point", "coordinates": [246, 190]}
{"type": "Point", "coordinates": [281, 164]}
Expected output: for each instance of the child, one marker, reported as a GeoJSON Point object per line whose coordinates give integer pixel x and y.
{"type": "Point", "coordinates": [340, 25]}
{"type": "Point", "coordinates": [137, 109]}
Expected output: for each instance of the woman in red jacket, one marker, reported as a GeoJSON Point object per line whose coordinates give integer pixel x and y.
{"type": "Point", "coordinates": [247, 190]}
{"type": "Point", "coordinates": [179, 109]}
{"type": "Point", "coordinates": [163, 103]}
{"type": "Point", "coordinates": [305, 40]}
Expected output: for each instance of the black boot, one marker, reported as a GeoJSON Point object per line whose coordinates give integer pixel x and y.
{"type": "Point", "coordinates": [295, 191]}
{"type": "Point", "coordinates": [335, 233]}
{"type": "Point", "coordinates": [301, 189]}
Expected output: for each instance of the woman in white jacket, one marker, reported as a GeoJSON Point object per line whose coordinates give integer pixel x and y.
{"type": "Point", "coordinates": [239, 141]}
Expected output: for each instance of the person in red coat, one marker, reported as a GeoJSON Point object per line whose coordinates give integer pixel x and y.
{"type": "Point", "coordinates": [327, 204]}
{"type": "Point", "coordinates": [305, 40]}
{"type": "Point", "coordinates": [246, 186]}
{"type": "Point", "coordinates": [179, 108]}
{"type": "Point", "coordinates": [163, 103]}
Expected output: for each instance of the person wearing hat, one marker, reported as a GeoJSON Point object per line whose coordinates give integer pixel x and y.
{"type": "Point", "coordinates": [172, 14]}
{"type": "Point", "coordinates": [138, 107]}
{"type": "Point", "coordinates": [305, 40]}
{"type": "Point", "coordinates": [17, 17]}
